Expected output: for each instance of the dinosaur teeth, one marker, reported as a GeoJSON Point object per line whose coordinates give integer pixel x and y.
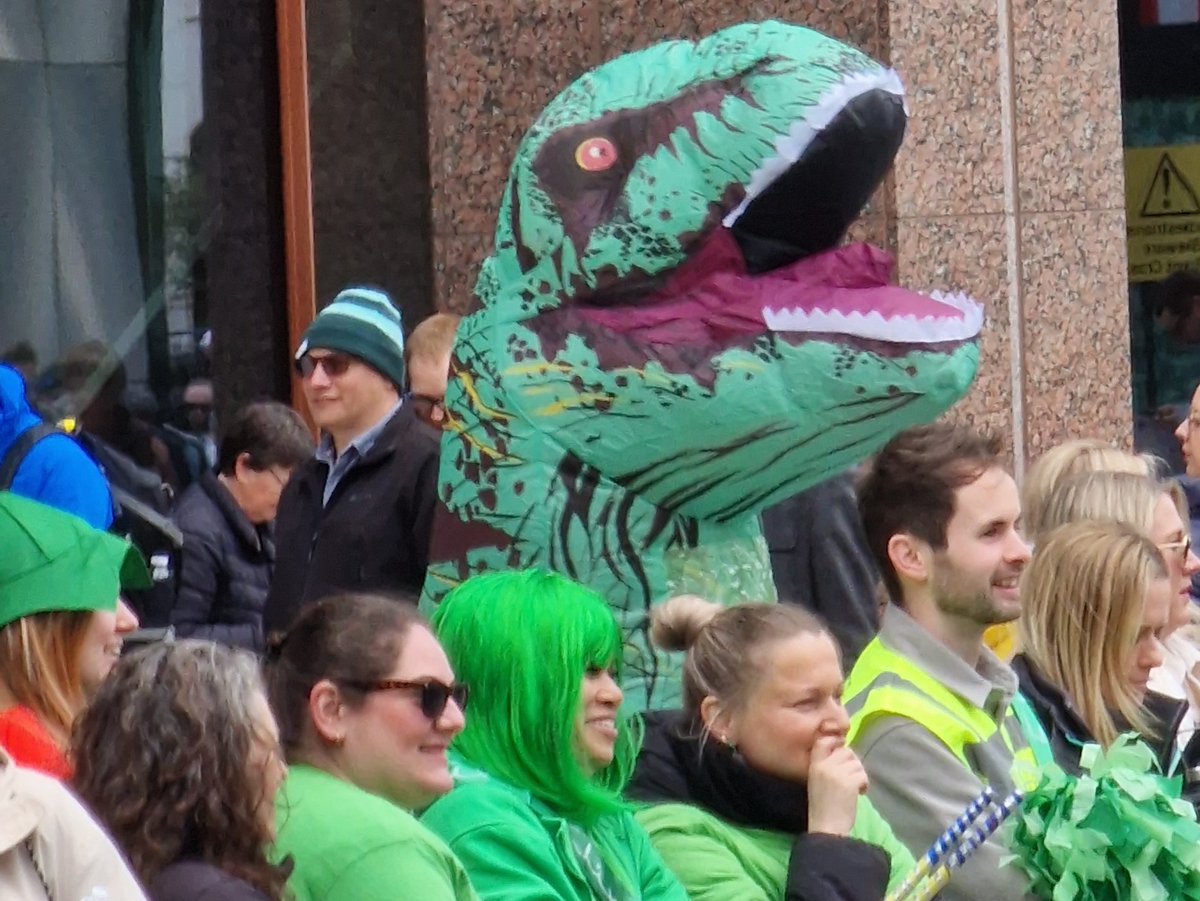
{"type": "Point", "coordinates": [905, 329]}
{"type": "Point", "coordinates": [789, 147]}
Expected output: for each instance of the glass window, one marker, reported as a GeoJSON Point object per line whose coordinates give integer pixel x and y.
{"type": "Point", "coordinates": [1161, 121]}
{"type": "Point", "coordinates": [102, 300]}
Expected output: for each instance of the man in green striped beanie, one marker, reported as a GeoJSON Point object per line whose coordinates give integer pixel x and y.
{"type": "Point", "coordinates": [357, 516]}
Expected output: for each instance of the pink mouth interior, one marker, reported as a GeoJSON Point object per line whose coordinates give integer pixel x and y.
{"type": "Point", "coordinates": [712, 297]}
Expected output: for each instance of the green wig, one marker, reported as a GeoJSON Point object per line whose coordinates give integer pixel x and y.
{"type": "Point", "coordinates": [523, 641]}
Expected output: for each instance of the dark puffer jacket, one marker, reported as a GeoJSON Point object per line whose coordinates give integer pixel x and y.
{"type": "Point", "coordinates": [225, 568]}
{"type": "Point", "coordinates": [194, 880]}
{"type": "Point", "coordinates": [1066, 732]}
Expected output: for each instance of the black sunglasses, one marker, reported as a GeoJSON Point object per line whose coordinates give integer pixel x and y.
{"type": "Point", "coordinates": [433, 698]}
{"type": "Point", "coordinates": [334, 364]}
{"type": "Point", "coordinates": [430, 410]}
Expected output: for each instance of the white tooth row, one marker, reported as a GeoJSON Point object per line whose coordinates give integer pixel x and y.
{"type": "Point", "coordinates": [789, 147]}
{"type": "Point", "coordinates": [874, 325]}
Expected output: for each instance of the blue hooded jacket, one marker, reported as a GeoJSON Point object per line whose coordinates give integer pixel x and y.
{"type": "Point", "coordinates": [57, 471]}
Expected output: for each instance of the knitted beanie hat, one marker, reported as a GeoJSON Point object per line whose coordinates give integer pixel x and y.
{"type": "Point", "coordinates": [363, 323]}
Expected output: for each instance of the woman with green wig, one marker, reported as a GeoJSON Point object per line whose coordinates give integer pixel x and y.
{"type": "Point", "coordinates": [536, 811]}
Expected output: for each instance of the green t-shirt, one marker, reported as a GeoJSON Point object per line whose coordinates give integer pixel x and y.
{"type": "Point", "coordinates": [350, 845]}
{"type": "Point", "coordinates": [719, 861]}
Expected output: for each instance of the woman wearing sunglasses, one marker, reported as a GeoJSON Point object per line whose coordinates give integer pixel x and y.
{"type": "Point", "coordinates": [536, 811]}
{"type": "Point", "coordinates": [1150, 507]}
{"type": "Point", "coordinates": [367, 706]}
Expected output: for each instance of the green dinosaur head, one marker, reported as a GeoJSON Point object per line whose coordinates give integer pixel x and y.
{"type": "Point", "coordinates": [667, 300]}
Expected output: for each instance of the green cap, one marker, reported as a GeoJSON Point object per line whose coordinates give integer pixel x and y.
{"type": "Point", "coordinates": [50, 560]}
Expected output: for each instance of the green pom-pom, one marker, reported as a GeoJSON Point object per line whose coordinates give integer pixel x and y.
{"type": "Point", "coordinates": [1119, 831]}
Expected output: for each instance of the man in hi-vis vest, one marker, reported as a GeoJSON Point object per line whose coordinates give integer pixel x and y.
{"type": "Point", "coordinates": [929, 703]}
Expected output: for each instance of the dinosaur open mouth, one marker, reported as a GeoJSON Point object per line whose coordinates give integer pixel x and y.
{"type": "Point", "coordinates": [847, 292]}
{"type": "Point", "coordinates": [713, 301]}
{"type": "Point", "coordinates": [769, 264]}
{"type": "Point", "coordinates": [804, 195]}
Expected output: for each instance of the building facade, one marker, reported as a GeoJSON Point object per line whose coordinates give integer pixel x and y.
{"type": "Point", "coordinates": [267, 152]}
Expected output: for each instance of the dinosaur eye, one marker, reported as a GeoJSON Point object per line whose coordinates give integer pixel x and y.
{"type": "Point", "coordinates": [596, 155]}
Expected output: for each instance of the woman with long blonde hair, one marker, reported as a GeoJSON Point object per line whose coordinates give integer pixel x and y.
{"type": "Point", "coordinates": [1095, 599]}
{"type": "Point", "coordinates": [1063, 461]}
{"type": "Point", "coordinates": [1153, 508]}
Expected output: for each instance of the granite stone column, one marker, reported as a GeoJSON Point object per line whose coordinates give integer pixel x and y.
{"type": "Point", "coordinates": [1010, 186]}
{"type": "Point", "coordinates": [494, 65]}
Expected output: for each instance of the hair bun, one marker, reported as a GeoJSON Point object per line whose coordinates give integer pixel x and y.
{"type": "Point", "coordinates": [676, 623]}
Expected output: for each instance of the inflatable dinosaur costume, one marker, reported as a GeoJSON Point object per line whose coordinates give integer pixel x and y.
{"type": "Point", "coordinates": [668, 338]}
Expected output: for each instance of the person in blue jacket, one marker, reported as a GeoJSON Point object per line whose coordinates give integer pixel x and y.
{"type": "Point", "coordinates": [56, 471]}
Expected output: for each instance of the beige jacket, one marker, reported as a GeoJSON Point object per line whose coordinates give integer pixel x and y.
{"type": "Point", "coordinates": [43, 827]}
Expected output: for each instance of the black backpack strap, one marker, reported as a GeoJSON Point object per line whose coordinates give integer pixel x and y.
{"type": "Point", "coordinates": [20, 449]}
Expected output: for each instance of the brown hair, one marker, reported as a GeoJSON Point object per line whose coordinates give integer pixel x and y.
{"type": "Point", "coordinates": [272, 433]}
{"type": "Point", "coordinates": [344, 638]}
{"type": "Point", "coordinates": [432, 338]}
{"type": "Point", "coordinates": [162, 759]}
{"type": "Point", "coordinates": [724, 644]}
{"type": "Point", "coordinates": [910, 486]}
{"type": "Point", "coordinates": [1083, 596]}
{"type": "Point", "coordinates": [39, 665]}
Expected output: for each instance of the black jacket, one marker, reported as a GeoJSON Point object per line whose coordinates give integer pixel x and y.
{"type": "Point", "coordinates": [224, 570]}
{"type": "Point", "coordinates": [821, 561]}
{"type": "Point", "coordinates": [373, 535]}
{"type": "Point", "coordinates": [674, 766]}
{"type": "Point", "coordinates": [1067, 733]}
{"type": "Point", "coordinates": [192, 880]}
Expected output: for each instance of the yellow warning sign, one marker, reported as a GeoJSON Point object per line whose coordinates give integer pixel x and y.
{"type": "Point", "coordinates": [1162, 207]}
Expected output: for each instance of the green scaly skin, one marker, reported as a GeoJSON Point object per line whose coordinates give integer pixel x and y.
{"type": "Point", "coordinates": [640, 470]}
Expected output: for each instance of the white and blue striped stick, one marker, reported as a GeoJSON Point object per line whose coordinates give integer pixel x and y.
{"type": "Point", "coordinates": [929, 861]}
{"type": "Point", "coordinates": [935, 883]}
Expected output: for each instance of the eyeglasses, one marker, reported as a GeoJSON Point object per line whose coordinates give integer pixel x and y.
{"type": "Point", "coordinates": [433, 697]}
{"type": "Point", "coordinates": [1184, 547]}
{"type": "Point", "coordinates": [430, 410]}
{"type": "Point", "coordinates": [334, 364]}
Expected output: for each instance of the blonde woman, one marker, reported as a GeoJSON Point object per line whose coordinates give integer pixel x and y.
{"type": "Point", "coordinates": [1153, 508]}
{"type": "Point", "coordinates": [1096, 597]}
{"type": "Point", "coordinates": [1071, 458]}
{"type": "Point", "coordinates": [751, 790]}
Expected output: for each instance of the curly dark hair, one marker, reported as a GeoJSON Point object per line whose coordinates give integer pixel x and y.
{"type": "Point", "coordinates": [161, 758]}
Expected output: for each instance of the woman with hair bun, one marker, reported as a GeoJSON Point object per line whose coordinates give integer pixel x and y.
{"type": "Point", "coordinates": [752, 790]}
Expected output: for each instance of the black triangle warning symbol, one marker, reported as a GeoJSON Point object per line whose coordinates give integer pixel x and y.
{"type": "Point", "coordinates": [1170, 194]}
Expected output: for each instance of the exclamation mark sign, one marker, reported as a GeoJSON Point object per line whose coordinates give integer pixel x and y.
{"type": "Point", "coordinates": [1166, 188]}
